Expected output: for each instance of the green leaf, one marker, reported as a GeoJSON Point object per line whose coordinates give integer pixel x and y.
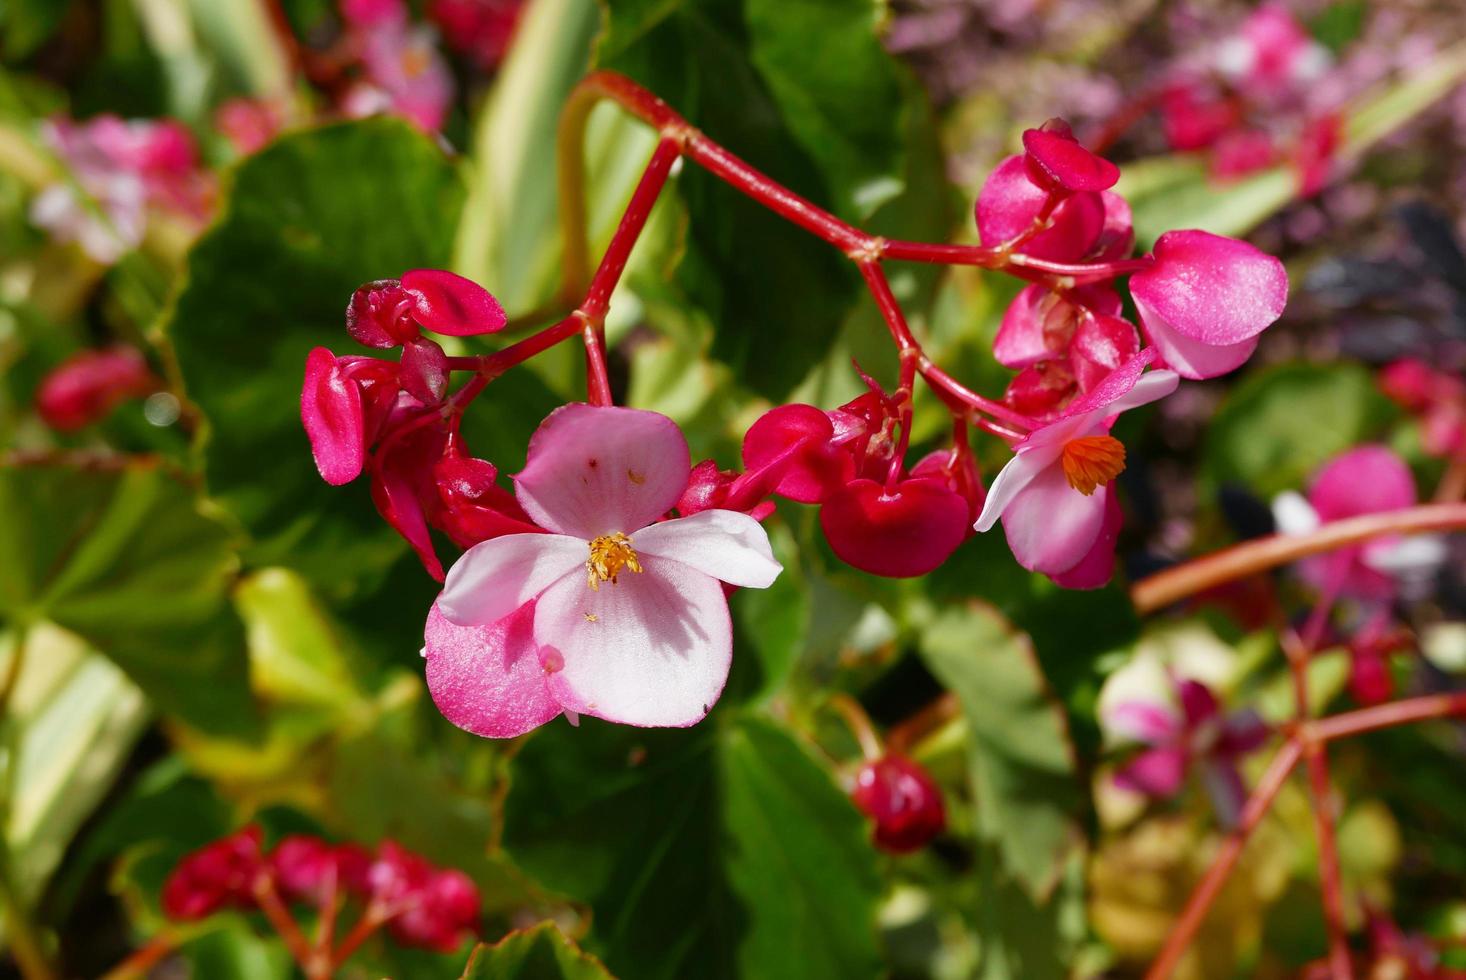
{"type": "Point", "coordinates": [124, 558]}
{"type": "Point", "coordinates": [1279, 425]}
{"type": "Point", "coordinates": [1026, 793]}
{"type": "Point", "coordinates": [539, 953]}
{"type": "Point", "coordinates": [724, 850]}
{"type": "Point", "coordinates": [308, 220]}
{"type": "Point", "coordinates": [770, 626]}
{"type": "Point", "coordinates": [824, 119]}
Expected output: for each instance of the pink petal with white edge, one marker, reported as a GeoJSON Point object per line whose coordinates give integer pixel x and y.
{"type": "Point", "coordinates": [488, 679]}
{"type": "Point", "coordinates": [1211, 289]}
{"type": "Point", "coordinates": [725, 544]}
{"type": "Point", "coordinates": [594, 470]}
{"type": "Point", "coordinates": [1019, 472]}
{"type": "Point", "coordinates": [1142, 721]}
{"type": "Point", "coordinates": [450, 304]}
{"type": "Point", "coordinates": [497, 576]}
{"type": "Point", "coordinates": [1192, 358]}
{"type": "Point", "coordinates": [1365, 480]}
{"type": "Point", "coordinates": [652, 649]}
{"type": "Point", "coordinates": [1050, 526]}
{"type": "Point", "coordinates": [331, 411]}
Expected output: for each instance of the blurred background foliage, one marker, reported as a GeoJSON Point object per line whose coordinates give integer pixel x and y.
{"type": "Point", "coordinates": [199, 632]}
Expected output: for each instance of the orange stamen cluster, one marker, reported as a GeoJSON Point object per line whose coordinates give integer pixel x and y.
{"type": "Point", "coordinates": [609, 553]}
{"type": "Point", "coordinates": [1092, 461]}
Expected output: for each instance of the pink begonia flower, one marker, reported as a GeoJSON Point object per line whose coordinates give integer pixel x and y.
{"type": "Point", "coordinates": [615, 612]}
{"type": "Point", "coordinates": [1054, 496]}
{"type": "Point", "coordinates": [1194, 117]}
{"type": "Point", "coordinates": [480, 29]}
{"type": "Point", "coordinates": [1368, 479]}
{"type": "Point", "coordinates": [404, 74]}
{"type": "Point", "coordinates": [1271, 53]}
{"type": "Point", "coordinates": [1206, 299]}
{"type": "Point", "coordinates": [1184, 733]}
{"type": "Point", "coordinates": [1010, 202]}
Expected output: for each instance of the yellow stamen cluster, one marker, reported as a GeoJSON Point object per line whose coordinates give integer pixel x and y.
{"type": "Point", "coordinates": [1092, 461]}
{"type": "Point", "coordinates": [609, 553]}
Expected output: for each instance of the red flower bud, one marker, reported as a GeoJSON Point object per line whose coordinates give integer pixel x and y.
{"type": "Point", "coordinates": [907, 531]}
{"type": "Point", "coordinates": [215, 876]}
{"type": "Point", "coordinates": [379, 314]}
{"type": "Point", "coordinates": [1056, 161]}
{"type": "Point", "coordinates": [86, 387]}
{"type": "Point", "coordinates": [903, 800]}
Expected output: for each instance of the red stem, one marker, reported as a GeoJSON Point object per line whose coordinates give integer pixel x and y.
{"type": "Point", "coordinates": [1216, 875]}
{"type": "Point", "coordinates": [289, 931]}
{"type": "Point", "coordinates": [1387, 716]}
{"type": "Point", "coordinates": [372, 919]}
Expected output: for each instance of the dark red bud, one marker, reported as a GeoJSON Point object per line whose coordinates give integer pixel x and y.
{"type": "Point", "coordinates": [379, 314]}
{"type": "Point", "coordinates": [903, 800]}
{"type": "Point", "coordinates": [795, 443]}
{"type": "Point", "coordinates": [908, 531]}
{"type": "Point", "coordinates": [86, 387]}
{"type": "Point", "coordinates": [216, 876]}
{"type": "Point", "coordinates": [450, 304]}
{"type": "Point", "coordinates": [707, 488]}
{"type": "Point", "coordinates": [424, 370]}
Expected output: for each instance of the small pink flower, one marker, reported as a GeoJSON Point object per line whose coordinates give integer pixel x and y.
{"type": "Point", "coordinates": [403, 73]}
{"type": "Point", "coordinates": [1206, 299]}
{"type": "Point", "coordinates": [1054, 496]}
{"type": "Point", "coordinates": [1188, 732]}
{"type": "Point", "coordinates": [1010, 203]}
{"type": "Point", "coordinates": [1195, 118]}
{"type": "Point", "coordinates": [1369, 479]}
{"type": "Point", "coordinates": [388, 312]}
{"type": "Point", "coordinates": [1272, 53]}
{"type": "Point", "coordinates": [480, 29]}
{"type": "Point", "coordinates": [615, 612]}
{"type": "Point", "coordinates": [248, 124]}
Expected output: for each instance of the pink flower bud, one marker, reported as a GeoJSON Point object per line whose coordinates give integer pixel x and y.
{"type": "Point", "coordinates": [1313, 157]}
{"type": "Point", "coordinates": [707, 488]}
{"type": "Point", "coordinates": [958, 472]}
{"type": "Point", "coordinates": [450, 304]}
{"type": "Point", "coordinates": [1369, 676]}
{"type": "Point", "coordinates": [86, 387]}
{"type": "Point", "coordinates": [1042, 389]}
{"type": "Point", "coordinates": [1243, 152]}
{"type": "Point", "coordinates": [443, 914]}
{"type": "Point", "coordinates": [403, 488]}
{"type": "Point", "coordinates": [1056, 161]}
{"type": "Point", "coordinates": [1411, 384]}
{"type": "Point", "coordinates": [480, 29]}
{"type": "Point", "coordinates": [304, 867]}
{"type": "Point", "coordinates": [903, 800]}
{"type": "Point", "coordinates": [1194, 119]}
{"type": "Point", "coordinates": [1010, 202]}
{"type": "Point", "coordinates": [1101, 344]}
{"type": "Point", "coordinates": [248, 124]}
{"type": "Point", "coordinates": [474, 507]}
{"type": "Point", "coordinates": [1205, 300]}
{"type": "Point", "coordinates": [217, 875]}
{"type": "Point", "coordinates": [907, 531]}
{"type": "Point", "coordinates": [343, 403]}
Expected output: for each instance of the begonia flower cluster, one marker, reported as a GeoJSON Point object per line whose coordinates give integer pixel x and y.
{"type": "Point", "coordinates": [420, 906]}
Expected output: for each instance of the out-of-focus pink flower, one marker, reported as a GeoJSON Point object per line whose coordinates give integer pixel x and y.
{"type": "Point", "coordinates": [479, 29]}
{"type": "Point", "coordinates": [1437, 398]}
{"type": "Point", "coordinates": [1206, 299]}
{"type": "Point", "coordinates": [402, 69]}
{"type": "Point", "coordinates": [1186, 732]}
{"type": "Point", "coordinates": [1054, 496]}
{"type": "Point", "coordinates": [614, 613]}
{"type": "Point", "coordinates": [427, 907]}
{"type": "Point", "coordinates": [218, 875]}
{"type": "Point", "coordinates": [248, 124]}
{"type": "Point", "coordinates": [1271, 52]}
{"type": "Point", "coordinates": [1369, 479]}
{"type": "Point", "coordinates": [1313, 156]}
{"type": "Point", "coordinates": [1195, 117]}
{"type": "Point", "coordinates": [86, 387]}
{"type": "Point", "coordinates": [308, 869]}
{"type": "Point", "coordinates": [903, 800]}
{"type": "Point", "coordinates": [1242, 152]}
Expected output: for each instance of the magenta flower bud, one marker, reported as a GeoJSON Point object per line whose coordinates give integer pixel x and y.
{"type": "Point", "coordinates": [304, 868]}
{"type": "Point", "coordinates": [248, 124]}
{"type": "Point", "coordinates": [1243, 152]}
{"type": "Point", "coordinates": [1411, 384]}
{"type": "Point", "coordinates": [403, 488]}
{"type": "Point", "coordinates": [87, 386]}
{"type": "Point", "coordinates": [424, 371]}
{"type": "Point", "coordinates": [1193, 118]}
{"type": "Point", "coordinates": [474, 507]}
{"type": "Point", "coordinates": [379, 314]}
{"type": "Point", "coordinates": [1101, 344]}
{"type": "Point", "coordinates": [1056, 161]}
{"type": "Point", "coordinates": [1010, 202]}
{"type": "Point", "coordinates": [1206, 299]}
{"type": "Point", "coordinates": [216, 876]}
{"type": "Point", "coordinates": [443, 913]}
{"type": "Point", "coordinates": [478, 29]}
{"type": "Point", "coordinates": [903, 800]}
{"type": "Point", "coordinates": [450, 304]}
{"type": "Point", "coordinates": [958, 471]}
{"type": "Point", "coordinates": [906, 531]}
{"type": "Point", "coordinates": [343, 403]}
{"type": "Point", "coordinates": [796, 443]}
{"type": "Point", "coordinates": [1042, 390]}
{"type": "Point", "coordinates": [707, 488]}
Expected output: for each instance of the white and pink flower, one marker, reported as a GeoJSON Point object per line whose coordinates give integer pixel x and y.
{"type": "Point", "coordinates": [615, 612]}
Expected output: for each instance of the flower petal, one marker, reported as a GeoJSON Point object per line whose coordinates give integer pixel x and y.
{"type": "Point", "coordinates": [488, 679]}
{"type": "Point", "coordinates": [725, 544]}
{"type": "Point", "coordinates": [597, 470]}
{"type": "Point", "coordinates": [1097, 567]}
{"type": "Point", "coordinates": [1142, 721]}
{"type": "Point", "coordinates": [496, 577]}
{"type": "Point", "coordinates": [1365, 480]}
{"type": "Point", "coordinates": [1050, 525]}
{"type": "Point", "coordinates": [652, 649]}
{"type": "Point", "coordinates": [1018, 473]}
{"type": "Point", "coordinates": [331, 410]}
{"type": "Point", "coordinates": [1215, 290]}
{"type": "Point", "coordinates": [1192, 358]}
{"type": "Point", "coordinates": [1154, 772]}
{"type": "Point", "coordinates": [447, 303]}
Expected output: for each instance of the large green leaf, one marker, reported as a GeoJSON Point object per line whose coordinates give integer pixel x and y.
{"type": "Point", "coordinates": [1280, 424]}
{"type": "Point", "coordinates": [721, 851]}
{"type": "Point", "coordinates": [539, 953]}
{"type": "Point", "coordinates": [308, 220]}
{"type": "Point", "coordinates": [124, 558]}
{"type": "Point", "coordinates": [1026, 792]}
{"type": "Point", "coordinates": [824, 117]}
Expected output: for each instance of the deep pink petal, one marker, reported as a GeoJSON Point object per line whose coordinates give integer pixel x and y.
{"type": "Point", "coordinates": [1009, 202]}
{"type": "Point", "coordinates": [402, 487]}
{"type": "Point", "coordinates": [496, 577]}
{"type": "Point", "coordinates": [330, 409]}
{"type": "Point", "coordinates": [906, 531]}
{"type": "Point", "coordinates": [1155, 772]}
{"type": "Point", "coordinates": [488, 679]}
{"type": "Point", "coordinates": [1192, 358]}
{"type": "Point", "coordinates": [1109, 397]}
{"type": "Point", "coordinates": [450, 304]}
{"type": "Point", "coordinates": [1216, 290]}
{"type": "Point", "coordinates": [1365, 480]}
{"type": "Point", "coordinates": [1051, 526]}
{"type": "Point", "coordinates": [1020, 340]}
{"type": "Point", "coordinates": [424, 370]}
{"type": "Point", "coordinates": [1065, 163]}
{"type": "Point", "coordinates": [725, 544]}
{"type": "Point", "coordinates": [1198, 703]}
{"type": "Point", "coordinates": [1117, 236]}
{"type": "Point", "coordinates": [1101, 344]}
{"type": "Point", "coordinates": [651, 649]}
{"type": "Point", "coordinates": [594, 471]}
{"type": "Point", "coordinates": [796, 443]}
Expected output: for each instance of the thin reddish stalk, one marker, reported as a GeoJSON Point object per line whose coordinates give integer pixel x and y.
{"type": "Point", "coordinates": [287, 928]}
{"type": "Point", "coordinates": [1387, 716]}
{"type": "Point", "coordinates": [859, 724]}
{"type": "Point", "coordinates": [1211, 883]}
{"type": "Point", "coordinates": [144, 958]}
{"type": "Point", "coordinates": [1183, 581]}
{"type": "Point", "coordinates": [372, 919]}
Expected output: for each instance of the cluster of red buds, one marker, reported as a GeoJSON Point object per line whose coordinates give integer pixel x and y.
{"type": "Point", "coordinates": [1437, 398]}
{"type": "Point", "coordinates": [87, 386]}
{"type": "Point", "coordinates": [419, 905]}
{"type": "Point", "coordinates": [1248, 104]}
